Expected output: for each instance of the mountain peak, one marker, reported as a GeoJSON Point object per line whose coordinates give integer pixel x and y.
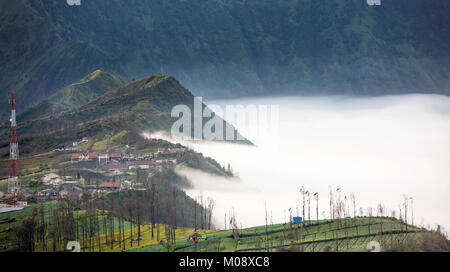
{"type": "Point", "coordinates": [150, 83]}
{"type": "Point", "coordinates": [151, 80]}
{"type": "Point", "coordinates": [154, 80]}
{"type": "Point", "coordinates": [92, 76]}
{"type": "Point", "coordinates": [74, 95]}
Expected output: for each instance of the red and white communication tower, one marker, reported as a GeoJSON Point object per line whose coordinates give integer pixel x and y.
{"type": "Point", "coordinates": [14, 183]}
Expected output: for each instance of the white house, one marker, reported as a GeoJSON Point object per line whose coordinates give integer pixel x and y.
{"type": "Point", "coordinates": [103, 158]}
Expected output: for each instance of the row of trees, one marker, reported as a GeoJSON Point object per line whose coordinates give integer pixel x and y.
{"type": "Point", "coordinates": [116, 219]}
{"type": "Point", "coordinates": [341, 207]}
{"type": "Point", "coordinates": [343, 219]}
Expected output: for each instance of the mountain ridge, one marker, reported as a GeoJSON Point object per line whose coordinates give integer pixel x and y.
{"type": "Point", "coordinates": [223, 49]}
{"type": "Point", "coordinates": [74, 95]}
{"type": "Point", "coordinates": [142, 105]}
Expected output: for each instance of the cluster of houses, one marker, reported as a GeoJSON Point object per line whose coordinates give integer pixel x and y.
{"type": "Point", "coordinates": [115, 163]}
{"type": "Point", "coordinates": [157, 159]}
{"type": "Point", "coordinates": [103, 158]}
{"type": "Point", "coordinates": [20, 203]}
{"type": "Point", "coordinates": [69, 187]}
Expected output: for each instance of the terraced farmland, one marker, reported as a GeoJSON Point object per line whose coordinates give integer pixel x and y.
{"type": "Point", "coordinates": [326, 235]}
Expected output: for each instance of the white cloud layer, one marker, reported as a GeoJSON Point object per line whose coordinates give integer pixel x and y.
{"type": "Point", "coordinates": [379, 148]}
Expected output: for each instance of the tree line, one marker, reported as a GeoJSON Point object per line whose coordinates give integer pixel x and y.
{"type": "Point", "coordinates": [116, 219]}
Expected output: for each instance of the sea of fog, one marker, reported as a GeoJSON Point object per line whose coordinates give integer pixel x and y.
{"type": "Point", "coordinates": [381, 149]}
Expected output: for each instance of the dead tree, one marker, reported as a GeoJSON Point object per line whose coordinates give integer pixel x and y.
{"type": "Point", "coordinates": [302, 190]}
{"type": "Point", "coordinates": [316, 197]}
{"type": "Point", "coordinates": [309, 207]}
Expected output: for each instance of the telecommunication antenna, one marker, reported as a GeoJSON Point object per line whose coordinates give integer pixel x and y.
{"type": "Point", "coordinates": [13, 182]}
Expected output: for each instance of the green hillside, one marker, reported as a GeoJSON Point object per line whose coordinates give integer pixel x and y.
{"type": "Point", "coordinates": [328, 235]}
{"type": "Point", "coordinates": [114, 120]}
{"type": "Point", "coordinates": [227, 48]}
{"type": "Point", "coordinates": [140, 106]}
{"type": "Point", "coordinates": [102, 223]}
{"type": "Point", "coordinates": [344, 235]}
{"type": "Point", "coordinates": [75, 95]}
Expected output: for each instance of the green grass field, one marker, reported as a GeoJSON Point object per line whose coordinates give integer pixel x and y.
{"type": "Point", "coordinates": [338, 235]}
{"type": "Point", "coordinates": [11, 220]}
{"type": "Point", "coordinates": [346, 235]}
{"type": "Point", "coordinates": [14, 219]}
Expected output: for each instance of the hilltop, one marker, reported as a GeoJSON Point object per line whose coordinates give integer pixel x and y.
{"type": "Point", "coordinates": [228, 48]}
{"type": "Point", "coordinates": [344, 235]}
{"type": "Point", "coordinates": [142, 105]}
{"type": "Point", "coordinates": [338, 235]}
{"type": "Point", "coordinates": [112, 121]}
{"type": "Point", "coordinates": [74, 95]}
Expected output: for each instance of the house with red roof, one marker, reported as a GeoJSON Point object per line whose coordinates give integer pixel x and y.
{"type": "Point", "coordinates": [116, 156]}
{"type": "Point", "coordinates": [92, 156]}
{"type": "Point", "coordinates": [77, 157]}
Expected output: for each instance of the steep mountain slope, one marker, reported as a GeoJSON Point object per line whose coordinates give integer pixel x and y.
{"type": "Point", "coordinates": [35, 60]}
{"type": "Point", "coordinates": [74, 95]}
{"type": "Point", "coordinates": [140, 106]}
{"type": "Point", "coordinates": [223, 48]}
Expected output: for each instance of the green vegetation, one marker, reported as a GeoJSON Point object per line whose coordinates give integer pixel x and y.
{"type": "Point", "coordinates": [209, 165]}
{"type": "Point", "coordinates": [75, 95]}
{"type": "Point", "coordinates": [112, 113]}
{"type": "Point", "coordinates": [228, 48]}
{"type": "Point", "coordinates": [112, 121]}
{"type": "Point", "coordinates": [338, 235]}
{"type": "Point", "coordinates": [117, 221]}
{"type": "Point", "coordinates": [349, 234]}
{"type": "Point", "coordinates": [12, 220]}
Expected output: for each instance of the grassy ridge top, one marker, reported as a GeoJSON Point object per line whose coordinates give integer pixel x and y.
{"type": "Point", "coordinates": [75, 95]}
{"type": "Point", "coordinates": [343, 235]}
{"type": "Point", "coordinates": [142, 105]}
{"type": "Point", "coordinates": [327, 235]}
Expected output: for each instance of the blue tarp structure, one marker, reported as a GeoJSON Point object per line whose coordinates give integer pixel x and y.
{"type": "Point", "coordinates": [297, 219]}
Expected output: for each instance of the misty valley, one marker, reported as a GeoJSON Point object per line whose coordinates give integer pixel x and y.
{"type": "Point", "coordinates": [380, 148]}
{"type": "Point", "coordinates": [266, 128]}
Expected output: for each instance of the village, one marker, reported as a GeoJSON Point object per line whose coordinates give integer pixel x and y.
{"type": "Point", "coordinates": [93, 174]}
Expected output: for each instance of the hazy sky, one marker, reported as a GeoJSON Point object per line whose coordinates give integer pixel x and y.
{"type": "Point", "coordinates": [379, 148]}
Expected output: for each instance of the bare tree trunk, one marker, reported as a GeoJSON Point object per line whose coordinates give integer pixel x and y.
{"type": "Point", "coordinates": [139, 229]}
{"type": "Point", "coordinates": [157, 218]}
{"type": "Point", "coordinates": [267, 238]}
{"type": "Point", "coordinates": [98, 231]}
{"type": "Point", "coordinates": [123, 235]}
{"type": "Point", "coordinates": [195, 215]}
{"type": "Point", "coordinates": [131, 231]}
{"type": "Point", "coordinates": [152, 203]}
{"type": "Point", "coordinates": [112, 221]}
{"type": "Point", "coordinates": [120, 231]}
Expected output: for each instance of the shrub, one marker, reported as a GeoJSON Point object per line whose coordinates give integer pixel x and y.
{"type": "Point", "coordinates": [430, 241]}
